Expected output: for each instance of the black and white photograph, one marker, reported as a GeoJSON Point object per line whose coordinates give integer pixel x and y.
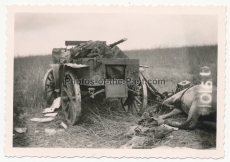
{"type": "Point", "coordinates": [116, 80]}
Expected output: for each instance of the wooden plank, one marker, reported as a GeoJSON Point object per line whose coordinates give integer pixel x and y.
{"type": "Point", "coordinates": [74, 43]}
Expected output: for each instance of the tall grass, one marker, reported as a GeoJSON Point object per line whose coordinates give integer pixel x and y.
{"type": "Point", "coordinates": [177, 64]}
{"type": "Point", "coordinates": [28, 76]}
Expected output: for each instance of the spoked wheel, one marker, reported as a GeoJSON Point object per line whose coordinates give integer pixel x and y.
{"type": "Point", "coordinates": [137, 98]}
{"type": "Point", "coordinates": [49, 87]}
{"type": "Point", "coordinates": [71, 99]}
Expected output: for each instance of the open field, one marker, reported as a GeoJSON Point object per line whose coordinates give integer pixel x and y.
{"type": "Point", "coordinates": [103, 123]}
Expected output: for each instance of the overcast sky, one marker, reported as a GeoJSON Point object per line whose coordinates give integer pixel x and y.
{"type": "Point", "coordinates": [39, 33]}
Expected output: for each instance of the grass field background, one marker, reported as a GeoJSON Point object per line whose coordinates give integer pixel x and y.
{"type": "Point", "coordinates": [103, 123]}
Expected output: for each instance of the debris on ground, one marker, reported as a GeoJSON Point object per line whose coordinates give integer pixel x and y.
{"type": "Point", "coordinates": [48, 110]}
{"type": "Point", "coordinates": [50, 132]}
{"type": "Point", "coordinates": [41, 120]}
{"type": "Point", "coordinates": [131, 131]}
{"type": "Point", "coordinates": [51, 114]}
{"type": "Point", "coordinates": [55, 105]}
{"type": "Point", "coordinates": [20, 130]}
{"type": "Point", "coordinates": [63, 125]}
{"type": "Point", "coordinates": [161, 132]}
{"type": "Point", "coordinates": [136, 129]}
{"type": "Point", "coordinates": [170, 127]}
{"type": "Point", "coordinates": [148, 133]}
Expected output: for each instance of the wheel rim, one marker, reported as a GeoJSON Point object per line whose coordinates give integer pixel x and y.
{"type": "Point", "coordinates": [49, 87]}
{"type": "Point", "coordinates": [71, 100]}
{"type": "Point", "coordinates": [137, 98]}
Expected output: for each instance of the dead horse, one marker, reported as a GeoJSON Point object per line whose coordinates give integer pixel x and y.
{"type": "Point", "coordinates": [188, 101]}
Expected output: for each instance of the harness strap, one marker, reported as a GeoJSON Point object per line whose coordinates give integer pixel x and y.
{"type": "Point", "coordinates": [179, 102]}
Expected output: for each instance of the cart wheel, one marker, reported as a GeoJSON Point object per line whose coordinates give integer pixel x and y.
{"type": "Point", "coordinates": [71, 99]}
{"type": "Point", "coordinates": [49, 87]}
{"type": "Point", "coordinates": [137, 98]}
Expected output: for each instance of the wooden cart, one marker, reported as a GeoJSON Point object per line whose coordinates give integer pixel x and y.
{"type": "Point", "coordinates": [90, 76]}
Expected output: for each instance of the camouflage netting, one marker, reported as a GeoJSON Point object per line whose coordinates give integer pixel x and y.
{"type": "Point", "coordinates": [91, 49]}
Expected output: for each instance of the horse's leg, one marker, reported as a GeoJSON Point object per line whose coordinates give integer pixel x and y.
{"type": "Point", "coordinates": [191, 121]}
{"type": "Point", "coordinates": [168, 105]}
{"type": "Point", "coordinates": [175, 111]}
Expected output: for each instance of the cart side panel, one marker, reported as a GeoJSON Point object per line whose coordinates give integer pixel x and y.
{"type": "Point", "coordinates": [131, 67]}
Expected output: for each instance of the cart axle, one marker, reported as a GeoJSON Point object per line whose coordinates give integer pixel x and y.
{"type": "Point", "coordinates": [94, 94]}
